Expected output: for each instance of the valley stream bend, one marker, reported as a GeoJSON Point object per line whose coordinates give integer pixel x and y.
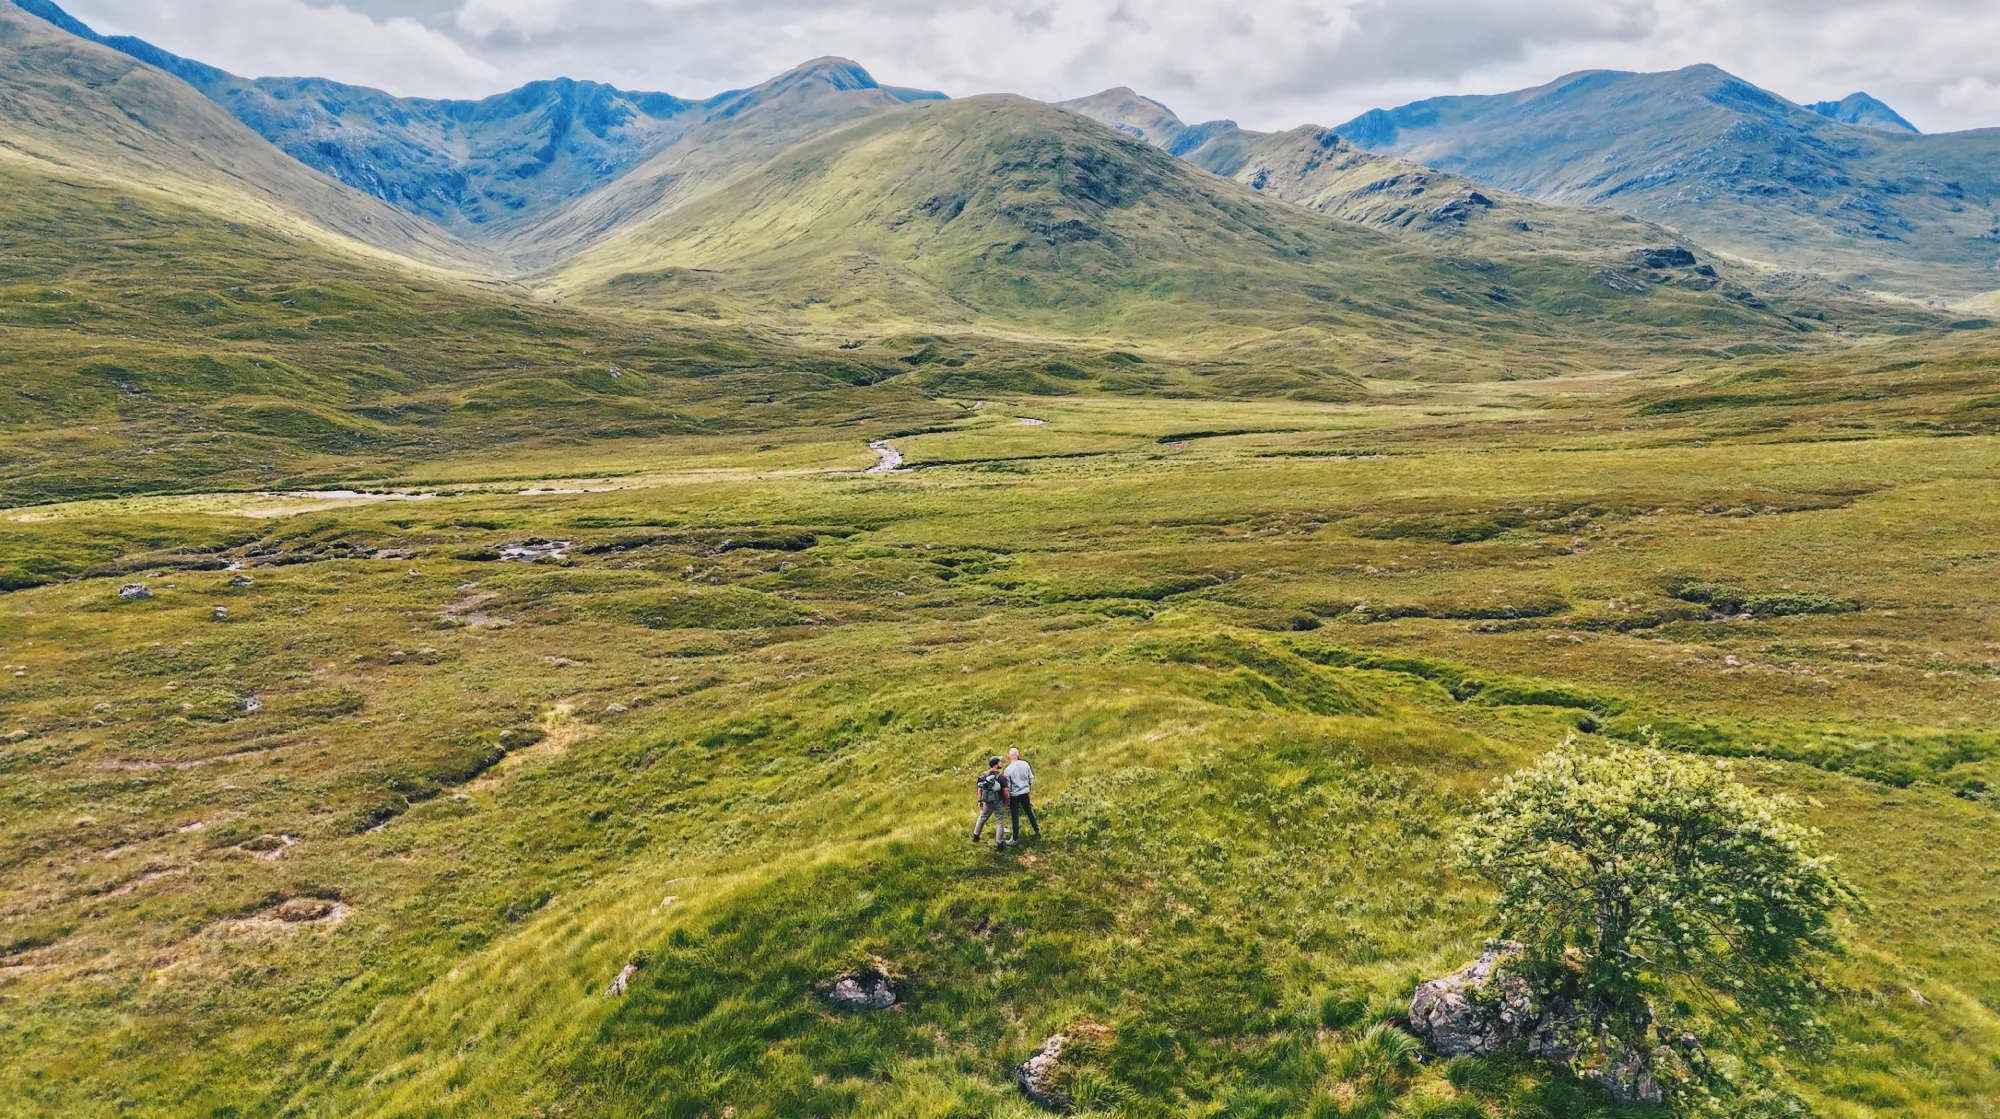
{"type": "Point", "coordinates": [892, 459]}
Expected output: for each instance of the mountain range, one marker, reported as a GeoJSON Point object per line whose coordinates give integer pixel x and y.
{"type": "Point", "coordinates": [477, 168]}
{"type": "Point", "coordinates": [1846, 189]}
{"type": "Point", "coordinates": [829, 209]}
{"type": "Point", "coordinates": [1834, 189]}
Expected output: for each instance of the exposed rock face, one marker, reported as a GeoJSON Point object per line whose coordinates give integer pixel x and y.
{"type": "Point", "coordinates": [1483, 1008]}
{"type": "Point", "coordinates": [868, 990]}
{"type": "Point", "coordinates": [1672, 256]}
{"type": "Point", "coordinates": [1478, 1009]}
{"type": "Point", "coordinates": [1037, 1076]}
{"type": "Point", "coordinates": [133, 591]}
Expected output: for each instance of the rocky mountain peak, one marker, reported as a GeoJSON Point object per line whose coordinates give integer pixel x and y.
{"type": "Point", "coordinates": [1866, 111]}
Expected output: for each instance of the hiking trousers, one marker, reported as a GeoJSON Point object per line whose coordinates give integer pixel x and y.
{"type": "Point", "coordinates": [1019, 803]}
{"type": "Point", "coordinates": [993, 812]}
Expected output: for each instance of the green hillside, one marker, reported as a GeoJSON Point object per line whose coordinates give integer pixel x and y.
{"type": "Point", "coordinates": [172, 350]}
{"type": "Point", "coordinates": [72, 109]}
{"type": "Point", "coordinates": [431, 692]}
{"type": "Point", "coordinates": [732, 132]}
{"type": "Point", "coordinates": [727, 740]}
{"type": "Point", "coordinates": [1001, 215]}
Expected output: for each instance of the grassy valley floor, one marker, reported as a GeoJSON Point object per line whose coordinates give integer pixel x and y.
{"type": "Point", "coordinates": [356, 814]}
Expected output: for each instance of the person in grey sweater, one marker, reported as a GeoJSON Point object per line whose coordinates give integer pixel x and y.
{"type": "Point", "coordinates": [1020, 793]}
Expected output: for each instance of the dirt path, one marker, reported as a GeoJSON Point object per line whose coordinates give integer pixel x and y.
{"type": "Point", "coordinates": [560, 731]}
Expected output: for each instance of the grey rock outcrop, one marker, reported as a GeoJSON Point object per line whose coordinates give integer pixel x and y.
{"type": "Point", "coordinates": [132, 592]}
{"type": "Point", "coordinates": [1478, 1009]}
{"type": "Point", "coordinates": [868, 990]}
{"type": "Point", "coordinates": [1670, 256]}
{"type": "Point", "coordinates": [1037, 1076]}
{"type": "Point", "coordinates": [623, 981]}
{"type": "Point", "coordinates": [1483, 1008]}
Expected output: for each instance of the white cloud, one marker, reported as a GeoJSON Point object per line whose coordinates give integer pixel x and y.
{"type": "Point", "coordinates": [521, 18]}
{"type": "Point", "coordinates": [1974, 92]}
{"type": "Point", "coordinates": [295, 38]}
{"type": "Point", "coordinates": [1267, 63]}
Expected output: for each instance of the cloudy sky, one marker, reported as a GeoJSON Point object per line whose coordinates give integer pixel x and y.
{"type": "Point", "coordinates": [1265, 64]}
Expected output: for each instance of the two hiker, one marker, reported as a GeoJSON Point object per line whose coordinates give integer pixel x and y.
{"type": "Point", "coordinates": [1006, 789]}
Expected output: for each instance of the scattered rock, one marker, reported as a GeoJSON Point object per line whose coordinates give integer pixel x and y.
{"type": "Point", "coordinates": [624, 980]}
{"type": "Point", "coordinates": [1620, 283]}
{"type": "Point", "coordinates": [615, 709]}
{"type": "Point", "coordinates": [534, 550]}
{"type": "Point", "coordinates": [296, 910]}
{"type": "Point", "coordinates": [1038, 1075]}
{"type": "Point", "coordinates": [466, 611]}
{"type": "Point", "coordinates": [252, 705]}
{"type": "Point", "coordinates": [221, 614]}
{"type": "Point", "coordinates": [288, 916]}
{"type": "Point", "coordinates": [14, 735]}
{"type": "Point", "coordinates": [132, 592]}
{"type": "Point", "coordinates": [268, 847]}
{"type": "Point", "coordinates": [866, 990]}
{"type": "Point", "coordinates": [242, 581]}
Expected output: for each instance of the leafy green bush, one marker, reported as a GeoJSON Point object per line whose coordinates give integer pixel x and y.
{"type": "Point", "coordinates": [1651, 887]}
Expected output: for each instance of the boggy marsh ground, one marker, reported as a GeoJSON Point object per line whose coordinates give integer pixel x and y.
{"type": "Point", "coordinates": [352, 815]}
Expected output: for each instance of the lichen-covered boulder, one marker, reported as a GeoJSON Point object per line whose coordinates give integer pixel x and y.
{"type": "Point", "coordinates": [1478, 1009]}
{"type": "Point", "coordinates": [866, 990]}
{"type": "Point", "coordinates": [1571, 1037]}
{"type": "Point", "coordinates": [1483, 1007]}
{"type": "Point", "coordinates": [1038, 1076]}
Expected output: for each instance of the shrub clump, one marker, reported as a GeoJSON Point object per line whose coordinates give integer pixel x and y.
{"type": "Point", "coordinates": [1667, 903]}
{"type": "Point", "coordinates": [1776, 604]}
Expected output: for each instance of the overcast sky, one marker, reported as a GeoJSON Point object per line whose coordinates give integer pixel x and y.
{"type": "Point", "coordinates": [1266, 65]}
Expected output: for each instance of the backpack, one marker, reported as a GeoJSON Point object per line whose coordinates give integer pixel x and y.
{"type": "Point", "coordinates": [990, 783]}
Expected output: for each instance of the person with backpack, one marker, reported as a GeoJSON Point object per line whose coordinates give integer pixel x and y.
{"type": "Point", "coordinates": [1020, 786]}
{"type": "Point", "coordinates": [992, 790]}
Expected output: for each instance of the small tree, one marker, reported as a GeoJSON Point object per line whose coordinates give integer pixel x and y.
{"type": "Point", "coordinates": [1636, 874]}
